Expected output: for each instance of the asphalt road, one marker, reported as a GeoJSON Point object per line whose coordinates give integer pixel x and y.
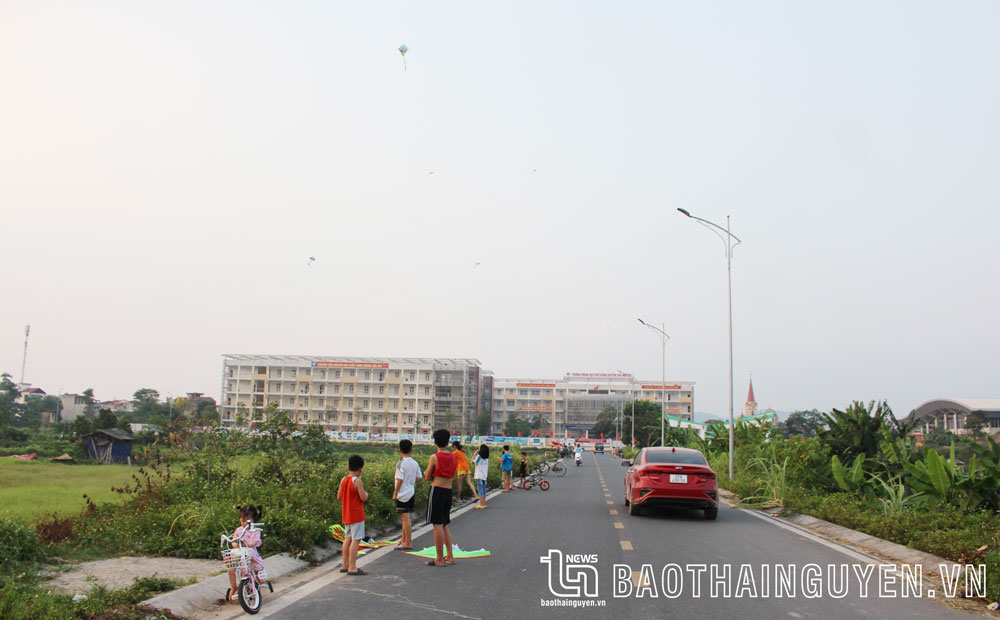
{"type": "Point", "coordinates": [583, 514]}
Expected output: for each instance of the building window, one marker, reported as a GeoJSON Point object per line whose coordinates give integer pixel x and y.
{"type": "Point", "coordinates": [381, 389]}
{"type": "Point", "coordinates": [395, 374]}
{"type": "Point", "coordinates": [381, 404]}
{"type": "Point", "coordinates": [381, 376]}
{"type": "Point", "coordinates": [336, 374]}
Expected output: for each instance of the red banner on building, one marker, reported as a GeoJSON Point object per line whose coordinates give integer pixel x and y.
{"type": "Point", "coordinates": [536, 385]}
{"type": "Point", "coordinates": [350, 364]}
{"type": "Point", "coordinates": [661, 387]}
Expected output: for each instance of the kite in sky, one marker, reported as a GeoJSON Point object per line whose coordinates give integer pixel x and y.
{"type": "Point", "coordinates": [311, 259]}
{"type": "Point", "coordinates": [402, 52]}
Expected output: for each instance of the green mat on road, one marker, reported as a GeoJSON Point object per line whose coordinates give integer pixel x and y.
{"type": "Point", "coordinates": [460, 554]}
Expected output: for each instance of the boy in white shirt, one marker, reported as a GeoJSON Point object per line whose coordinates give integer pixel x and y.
{"type": "Point", "coordinates": [482, 461]}
{"type": "Point", "coordinates": [407, 472]}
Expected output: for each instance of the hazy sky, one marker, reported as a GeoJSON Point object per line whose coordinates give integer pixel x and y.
{"type": "Point", "coordinates": [167, 169]}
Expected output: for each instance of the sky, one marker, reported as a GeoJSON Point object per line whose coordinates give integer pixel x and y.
{"type": "Point", "coordinates": [167, 170]}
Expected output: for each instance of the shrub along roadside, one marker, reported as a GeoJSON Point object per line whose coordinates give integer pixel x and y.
{"type": "Point", "coordinates": [182, 515]}
{"type": "Point", "coordinates": [28, 602]}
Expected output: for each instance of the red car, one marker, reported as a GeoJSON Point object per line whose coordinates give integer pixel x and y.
{"type": "Point", "coordinates": [678, 477]}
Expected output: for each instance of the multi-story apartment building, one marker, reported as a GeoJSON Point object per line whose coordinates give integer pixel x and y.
{"type": "Point", "coordinates": [390, 395]}
{"type": "Point", "coordinates": [569, 407]}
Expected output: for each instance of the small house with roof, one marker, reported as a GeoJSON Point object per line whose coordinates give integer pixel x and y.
{"type": "Point", "coordinates": [109, 445]}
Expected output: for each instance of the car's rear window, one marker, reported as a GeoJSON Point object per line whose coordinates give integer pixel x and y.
{"type": "Point", "coordinates": [681, 458]}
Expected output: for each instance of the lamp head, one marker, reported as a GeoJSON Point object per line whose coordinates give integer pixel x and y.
{"type": "Point", "coordinates": [641, 321]}
{"type": "Point", "coordinates": [684, 211]}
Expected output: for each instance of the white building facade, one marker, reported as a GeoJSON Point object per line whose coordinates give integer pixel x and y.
{"type": "Point", "coordinates": [375, 395]}
{"type": "Point", "coordinates": [569, 407]}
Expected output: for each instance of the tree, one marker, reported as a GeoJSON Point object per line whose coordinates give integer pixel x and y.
{"type": "Point", "coordinates": [607, 422]}
{"type": "Point", "coordinates": [516, 426]}
{"type": "Point", "coordinates": [858, 430]}
{"type": "Point", "coordinates": [89, 403]}
{"type": "Point", "coordinates": [9, 408]}
{"type": "Point", "coordinates": [206, 414]}
{"type": "Point", "coordinates": [804, 423]}
{"type": "Point", "coordinates": [105, 419]}
{"type": "Point", "coordinates": [647, 423]}
{"type": "Point", "coordinates": [145, 404]}
{"type": "Point", "coordinates": [974, 424]}
{"type": "Point", "coordinates": [81, 426]}
{"type": "Point", "coordinates": [483, 423]}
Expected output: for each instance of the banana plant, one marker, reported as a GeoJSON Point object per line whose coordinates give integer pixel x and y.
{"type": "Point", "coordinates": [944, 480]}
{"type": "Point", "coordinates": [851, 480]}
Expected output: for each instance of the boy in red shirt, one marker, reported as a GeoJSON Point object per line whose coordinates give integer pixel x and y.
{"type": "Point", "coordinates": [440, 471]}
{"type": "Point", "coordinates": [352, 496]}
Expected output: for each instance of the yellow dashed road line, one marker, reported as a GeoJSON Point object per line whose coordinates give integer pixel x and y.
{"type": "Point", "coordinates": [626, 545]}
{"type": "Point", "coordinates": [619, 525]}
{"type": "Point", "coordinates": [614, 512]}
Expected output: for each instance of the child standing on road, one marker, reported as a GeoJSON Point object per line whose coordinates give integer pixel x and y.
{"type": "Point", "coordinates": [506, 467]}
{"type": "Point", "coordinates": [440, 471]}
{"type": "Point", "coordinates": [250, 537]}
{"type": "Point", "coordinates": [352, 496]}
{"type": "Point", "coordinates": [482, 462]}
{"type": "Point", "coordinates": [463, 475]}
{"type": "Point", "coordinates": [407, 472]}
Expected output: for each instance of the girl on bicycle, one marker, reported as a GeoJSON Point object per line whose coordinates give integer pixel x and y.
{"type": "Point", "coordinates": [250, 537]}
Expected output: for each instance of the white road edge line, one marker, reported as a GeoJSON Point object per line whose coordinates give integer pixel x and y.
{"type": "Point", "coordinates": [857, 555]}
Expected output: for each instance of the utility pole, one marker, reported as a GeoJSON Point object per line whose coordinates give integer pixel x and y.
{"type": "Point", "coordinates": [24, 358]}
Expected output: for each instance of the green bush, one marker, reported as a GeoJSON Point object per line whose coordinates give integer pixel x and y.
{"type": "Point", "coordinates": [19, 545]}
{"type": "Point", "coordinates": [296, 481]}
{"type": "Point", "coordinates": [28, 602]}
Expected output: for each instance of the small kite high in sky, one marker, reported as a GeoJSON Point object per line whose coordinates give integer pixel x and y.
{"type": "Point", "coordinates": [402, 52]}
{"type": "Point", "coordinates": [311, 259]}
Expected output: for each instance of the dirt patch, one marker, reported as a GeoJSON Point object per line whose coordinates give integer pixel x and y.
{"type": "Point", "coordinates": [118, 573]}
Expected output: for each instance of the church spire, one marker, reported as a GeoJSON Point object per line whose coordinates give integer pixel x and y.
{"type": "Point", "coordinates": [751, 406]}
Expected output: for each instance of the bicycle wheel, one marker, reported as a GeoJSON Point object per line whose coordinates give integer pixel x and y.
{"type": "Point", "coordinates": [544, 468]}
{"type": "Point", "coordinates": [249, 594]}
{"type": "Point", "coordinates": [560, 469]}
{"type": "Point", "coordinates": [544, 485]}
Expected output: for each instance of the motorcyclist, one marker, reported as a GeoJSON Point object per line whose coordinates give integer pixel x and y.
{"type": "Point", "coordinates": [579, 454]}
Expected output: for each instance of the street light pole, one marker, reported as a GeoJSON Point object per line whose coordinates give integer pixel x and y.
{"type": "Point", "coordinates": [663, 386]}
{"type": "Point", "coordinates": [728, 240]}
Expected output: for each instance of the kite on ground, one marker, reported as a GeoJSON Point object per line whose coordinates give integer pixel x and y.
{"type": "Point", "coordinates": [402, 52]}
{"type": "Point", "coordinates": [460, 554]}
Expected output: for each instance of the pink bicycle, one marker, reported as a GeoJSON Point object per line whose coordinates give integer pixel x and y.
{"type": "Point", "coordinates": [248, 581]}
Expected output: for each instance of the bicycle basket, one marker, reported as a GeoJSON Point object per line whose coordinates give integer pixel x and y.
{"type": "Point", "coordinates": [236, 558]}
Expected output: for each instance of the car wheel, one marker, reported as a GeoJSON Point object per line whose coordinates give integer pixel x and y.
{"type": "Point", "coordinates": [633, 510]}
{"type": "Point", "coordinates": [712, 513]}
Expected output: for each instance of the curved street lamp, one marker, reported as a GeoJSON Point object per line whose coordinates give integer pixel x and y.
{"type": "Point", "coordinates": [663, 386]}
{"type": "Point", "coordinates": [728, 240]}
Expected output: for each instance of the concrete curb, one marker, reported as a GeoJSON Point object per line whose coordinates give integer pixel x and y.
{"type": "Point", "coordinates": [204, 594]}
{"type": "Point", "coordinates": [837, 533]}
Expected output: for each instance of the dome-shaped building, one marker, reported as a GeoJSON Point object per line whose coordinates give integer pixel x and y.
{"type": "Point", "coordinates": [950, 414]}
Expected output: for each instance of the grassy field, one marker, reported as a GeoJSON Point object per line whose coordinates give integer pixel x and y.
{"type": "Point", "coordinates": [30, 489]}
